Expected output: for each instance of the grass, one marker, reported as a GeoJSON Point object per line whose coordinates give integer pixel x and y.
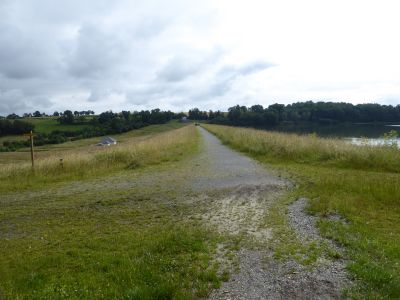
{"type": "Point", "coordinates": [81, 163]}
{"type": "Point", "coordinates": [49, 124]}
{"type": "Point", "coordinates": [115, 237]}
{"type": "Point", "coordinates": [360, 183]}
{"type": "Point", "coordinates": [60, 150]}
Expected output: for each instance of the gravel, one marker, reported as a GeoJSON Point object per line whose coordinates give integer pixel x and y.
{"type": "Point", "coordinates": [251, 188]}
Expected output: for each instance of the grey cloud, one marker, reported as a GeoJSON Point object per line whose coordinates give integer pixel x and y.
{"type": "Point", "coordinates": [151, 27]}
{"type": "Point", "coordinates": [91, 52]}
{"type": "Point", "coordinates": [182, 66]}
{"type": "Point", "coordinates": [22, 55]}
{"type": "Point", "coordinates": [227, 76]}
{"type": "Point", "coordinates": [206, 80]}
{"type": "Point", "coordinates": [97, 95]}
{"type": "Point", "coordinates": [178, 69]}
{"type": "Point", "coordinates": [255, 67]}
{"type": "Point", "coordinates": [17, 101]}
{"type": "Point", "coordinates": [97, 53]}
{"type": "Point", "coordinates": [244, 70]}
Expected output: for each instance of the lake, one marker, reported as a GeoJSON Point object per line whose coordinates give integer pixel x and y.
{"type": "Point", "coordinates": [356, 133]}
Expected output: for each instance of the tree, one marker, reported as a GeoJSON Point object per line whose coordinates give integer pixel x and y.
{"type": "Point", "coordinates": [56, 114]}
{"type": "Point", "coordinates": [13, 116]}
{"type": "Point", "coordinates": [67, 118]}
{"type": "Point", "coordinates": [37, 114]}
{"type": "Point", "coordinates": [257, 109]}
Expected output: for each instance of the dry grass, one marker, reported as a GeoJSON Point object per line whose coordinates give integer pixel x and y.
{"type": "Point", "coordinates": [309, 149]}
{"type": "Point", "coordinates": [81, 163]}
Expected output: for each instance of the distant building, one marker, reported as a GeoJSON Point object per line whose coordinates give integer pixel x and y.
{"type": "Point", "coordinates": [107, 141]}
{"type": "Point", "coordinates": [184, 120]}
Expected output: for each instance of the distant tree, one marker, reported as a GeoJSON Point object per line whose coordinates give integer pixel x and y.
{"type": "Point", "coordinates": [278, 109]}
{"type": "Point", "coordinates": [106, 117]}
{"type": "Point", "coordinates": [76, 113]}
{"type": "Point", "coordinates": [257, 109]}
{"type": "Point", "coordinates": [67, 117]}
{"type": "Point", "coordinates": [37, 114]}
{"type": "Point", "coordinates": [196, 114]}
{"type": "Point", "coordinates": [13, 116]}
{"type": "Point", "coordinates": [8, 127]}
{"type": "Point", "coordinates": [56, 114]}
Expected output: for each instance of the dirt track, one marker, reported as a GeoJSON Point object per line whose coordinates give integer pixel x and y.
{"type": "Point", "coordinates": [241, 193]}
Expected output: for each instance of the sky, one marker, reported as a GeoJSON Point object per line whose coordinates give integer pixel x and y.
{"type": "Point", "coordinates": [179, 54]}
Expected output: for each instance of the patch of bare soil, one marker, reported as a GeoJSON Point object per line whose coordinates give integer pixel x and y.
{"type": "Point", "coordinates": [241, 210]}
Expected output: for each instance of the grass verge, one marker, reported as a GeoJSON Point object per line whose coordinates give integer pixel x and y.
{"type": "Point", "coordinates": [80, 164]}
{"type": "Point", "coordinates": [362, 184]}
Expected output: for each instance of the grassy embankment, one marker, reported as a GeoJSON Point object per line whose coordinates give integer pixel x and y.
{"type": "Point", "coordinates": [360, 183]}
{"type": "Point", "coordinates": [107, 240]}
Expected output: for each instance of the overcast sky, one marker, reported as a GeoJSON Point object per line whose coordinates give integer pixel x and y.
{"type": "Point", "coordinates": [179, 54]}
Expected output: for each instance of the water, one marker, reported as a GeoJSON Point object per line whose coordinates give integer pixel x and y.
{"type": "Point", "coordinates": [374, 142]}
{"type": "Point", "coordinates": [358, 134]}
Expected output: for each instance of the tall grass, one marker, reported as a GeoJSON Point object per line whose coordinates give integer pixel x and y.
{"type": "Point", "coordinates": [78, 164]}
{"type": "Point", "coordinates": [361, 183]}
{"type": "Point", "coordinates": [309, 149]}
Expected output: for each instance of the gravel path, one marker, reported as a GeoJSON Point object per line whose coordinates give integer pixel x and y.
{"type": "Point", "coordinates": [223, 167]}
{"type": "Point", "coordinates": [247, 190]}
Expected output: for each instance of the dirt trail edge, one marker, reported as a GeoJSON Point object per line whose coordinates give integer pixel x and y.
{"type": "Point", "coordinates": [237, 192]}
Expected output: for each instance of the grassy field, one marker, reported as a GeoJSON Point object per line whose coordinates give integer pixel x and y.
{"type": "Point", "coordinates": [61, 150]}
{"type": "Point", "coordinates": [138, 148]}
{"type": "Point", "coordinates": [360, 183]}
{"type": "Point", "coordinates": [123, 236]}
{"type": "Point", "coordinates": [49, 124]}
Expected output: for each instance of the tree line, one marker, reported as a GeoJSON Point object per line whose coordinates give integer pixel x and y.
{"type": "Point", "coordinates": [8, 127]}
{"type": "Point", "coordinates": [315, 112]}
{"type": "Point", "coordinates": [38, 114]}
{"type": "Point", "coordinates": [106, 123]}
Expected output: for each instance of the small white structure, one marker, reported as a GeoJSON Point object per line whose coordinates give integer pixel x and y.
{"type": "Point", "coordinates": [184, 120]}
{"type": "Point", "coordinates": [107, 141]}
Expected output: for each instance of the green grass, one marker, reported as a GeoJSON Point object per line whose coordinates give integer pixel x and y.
{"type": "Point", "coordinates": [49, 124]}
{"type": "Point", "coordinates": [125, 236]}
{"type": "Point", "coordinates": [120, 245]}
{"type": "Point", "coordinates": [362, 184]}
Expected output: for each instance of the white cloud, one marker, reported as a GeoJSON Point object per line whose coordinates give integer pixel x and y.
{"type": "Point", "coordinates": [178, 54]}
